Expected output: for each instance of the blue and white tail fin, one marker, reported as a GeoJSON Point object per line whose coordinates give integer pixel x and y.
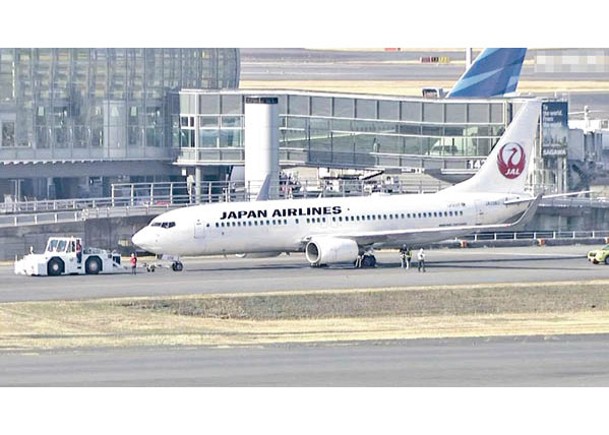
{"type": "Point", "coordinates": [494, 73]}
{"type": "Point", "coordinates": [507, 167]}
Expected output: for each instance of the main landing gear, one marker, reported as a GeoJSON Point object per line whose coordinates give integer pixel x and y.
{"type": "Point", "coordinates": [176, 265]}
{"type": "Point", "coordinates": [365, 260]}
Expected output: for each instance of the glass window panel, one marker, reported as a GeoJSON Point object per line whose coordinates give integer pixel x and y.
{"type": "Point", "coordinates": [389, 144]}
{"type": "Point", "coordinates": [231, 121]}
{"type": "Point", "coordinates": [8, 134]}
{"type": "Point", "coordinates": [300, 123]}
{"type": "Point", "coordinates": [320, 124]}
{"type": "Point", "coordinates": [230, 138]}
{"type": "Point", "coordinates": [453, 131]}
{"type": "Point", "coordinates": [343, 142]}
{"type": "Point", "coordinates": [321, 106]}
{"type": "Point", "coordinates": [208, 138]}
{"type": "Point", "coordinates": [456, 113]}
{"type": "Point", "coordinates": [208, 121]}
{"type": "Point", "coordinates": [282, 103]}
{"type": "Point", "coordinates": [412, 111]}
{"type": "Point", "coordinates": [342, 124]}
{"type": "Point", "coordinates": [412, 145]}
{"type": "Point", "coordinates": [187, 103]}
{"type": "Point", "coordinates": [432, 130]}
{"type": "Point", "coordinates": [389, 110]}
{"type": "Point", "coordinates": [497, 113]}
{"type": "Point", "coordinates": [231, 105]}
{"type": "Point", "coordinates": [294, 139]}
{"type": "Point", "coordinates": [483, 130]}
{"type": "Point", "coordinates": [344, 107]}
{"type": "Point", "coordinates": [385, 127]}
{"type": "Point", "coordinates": [298, 105]}
{"type": "Point", "coordinates": [427, 143]}
{"type": "Point", "coordinates": [484, 147]}
{"type": "Point", "coordinates": [365, 109]}
{"type": "Point", "coordinates": [478, 113]}
{"type": "Point", "coordinates": [210, 103]}
{"type": "Point", "coordinates": [364, 126]}
{"type": "Point", "coordinates": [433, 112]}
{"type": "Point", "coordinates": [410, 129]}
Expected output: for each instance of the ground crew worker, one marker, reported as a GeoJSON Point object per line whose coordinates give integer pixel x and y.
{"type": "Point", "coordinates": [78, 252]}
{"type": "Point", "coordinates": [403, 251]}
{"type": "Point", "coordinates": [133, 263]}
{"type": "Point", "coordinates": [408, 257]}
{"type": "Point", "coordinates": [358, 261]}
{"type": "Point", "coordinates": [421, 259]}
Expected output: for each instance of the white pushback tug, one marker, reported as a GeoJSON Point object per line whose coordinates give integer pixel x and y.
{"type": "Point", "coordinates": [68, 256]}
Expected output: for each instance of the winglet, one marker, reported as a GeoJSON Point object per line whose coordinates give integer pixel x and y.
{"type": "Point", "coordinates": [528, 214]}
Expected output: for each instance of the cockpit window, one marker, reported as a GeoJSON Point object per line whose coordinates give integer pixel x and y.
{"type": "Point", "coordinates": [163, 224]}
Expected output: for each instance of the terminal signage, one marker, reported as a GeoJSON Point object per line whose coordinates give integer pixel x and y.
{"type": "Point", "coordinates": [554, 128]}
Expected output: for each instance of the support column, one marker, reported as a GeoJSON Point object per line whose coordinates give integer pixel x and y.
{"type": "Point", "coordinates": [261, 145]}
{"type": "Point", "coordinates": [198, 183]}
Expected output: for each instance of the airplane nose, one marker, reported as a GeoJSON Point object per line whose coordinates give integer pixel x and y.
{"type": "Point", "coordinates": [140, 239]}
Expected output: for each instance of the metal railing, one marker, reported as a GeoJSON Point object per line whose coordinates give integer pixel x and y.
{"type": "Point", "coordinates": [181, 193]}
{"type": "Point", "coordinates": [131, 199]}
{"type": "Point", "coordinates": [537, 235]}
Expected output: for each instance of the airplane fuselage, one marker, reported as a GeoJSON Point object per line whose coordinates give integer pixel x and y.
{"type": "Point", "coordinates": [283, 225]}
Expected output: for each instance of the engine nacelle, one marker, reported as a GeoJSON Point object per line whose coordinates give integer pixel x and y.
{"type": "Point", "coordinates": [331, 250]}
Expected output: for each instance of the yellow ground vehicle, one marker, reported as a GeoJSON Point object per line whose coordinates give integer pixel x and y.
{"type": "Point", "coordinates": [598, 256]}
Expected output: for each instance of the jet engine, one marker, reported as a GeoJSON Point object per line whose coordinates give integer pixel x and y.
{"type": "Point", "coordinates": [331, 250]}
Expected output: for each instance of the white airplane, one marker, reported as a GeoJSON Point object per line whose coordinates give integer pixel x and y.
{"type": "Point", "coordinates": [336, 230]}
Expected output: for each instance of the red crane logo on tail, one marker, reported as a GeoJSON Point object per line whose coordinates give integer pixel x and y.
{"type": "Point", "coordinates": [511, 160]}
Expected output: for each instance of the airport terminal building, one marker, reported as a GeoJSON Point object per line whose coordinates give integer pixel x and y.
{"type": "Point", "coordinates": [74, 121]}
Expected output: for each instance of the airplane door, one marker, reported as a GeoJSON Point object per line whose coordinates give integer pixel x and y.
{"type": "Point", "coordinates": [479, 219]}
{"type": "Point", "coordinates": [199, 229]}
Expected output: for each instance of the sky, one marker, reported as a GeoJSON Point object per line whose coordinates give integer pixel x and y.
{"type": "Point", "coordinates": [310, 23]}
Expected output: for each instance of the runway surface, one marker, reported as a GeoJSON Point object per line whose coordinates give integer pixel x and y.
{"type": "Point", "coordinates": [515, 361]}
{"type": "Point", "coordinates": [556, 360]}
{"type": "Point", "coordinates": [221, 275]}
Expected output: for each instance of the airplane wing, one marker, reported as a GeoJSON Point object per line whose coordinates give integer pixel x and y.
{"type": "Point", "coordinates": [557, 195]}
{"type": "Point", "coordinates": [438, 233]}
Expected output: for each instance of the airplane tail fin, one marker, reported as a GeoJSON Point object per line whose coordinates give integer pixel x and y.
{"type": "Point", "coordinates": [495, 72]}
{"type": "Point", "coordinates": [507, 167]}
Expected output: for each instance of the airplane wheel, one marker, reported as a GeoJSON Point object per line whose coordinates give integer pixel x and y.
{"type": "Point", "coordinates": [177, 266]}
{"type": "Point", "coordinates": [369, 261]}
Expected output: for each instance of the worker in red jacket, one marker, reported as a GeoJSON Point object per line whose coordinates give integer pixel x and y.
{"type": "Point", "coordinates": [133, 263]}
